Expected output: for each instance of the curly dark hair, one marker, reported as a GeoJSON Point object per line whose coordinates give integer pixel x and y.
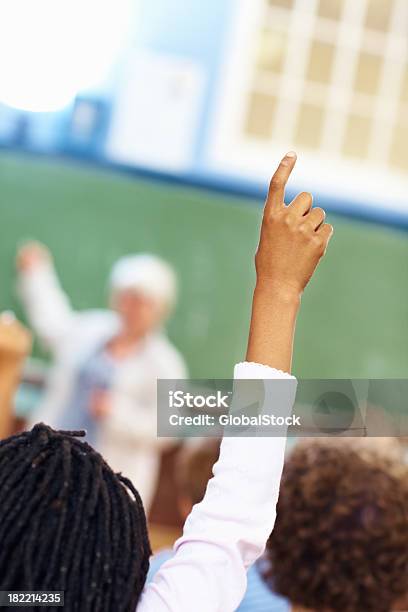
{"type": "Point", "coordinates": [69, 523]}
{"type": "Point", "coordinates": [340, 541]}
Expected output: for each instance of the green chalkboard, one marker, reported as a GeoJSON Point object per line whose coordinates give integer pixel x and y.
{"type": "Point", "coordinates": [354, 315]}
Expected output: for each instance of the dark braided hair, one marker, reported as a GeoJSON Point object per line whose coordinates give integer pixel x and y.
{"type": "Point", "coordinates": [69, 523]}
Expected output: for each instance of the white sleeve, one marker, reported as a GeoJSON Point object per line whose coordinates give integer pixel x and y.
{"type": "Point", "coordinates": [227, 531]}
{"type": "Point", "coordinates": [47, 307]}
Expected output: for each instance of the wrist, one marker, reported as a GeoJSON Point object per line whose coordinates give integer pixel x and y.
{"type": "Point", "coordinates": [10, 363]}
{"type": "Point", "coordinates": [269, 289]}
{"type": "Point", "coordinates": [274, 312]}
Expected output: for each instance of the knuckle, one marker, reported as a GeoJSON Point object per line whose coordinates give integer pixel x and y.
{"type": "Point", "coordinates": [269, 220]}
{"type": "Point", "coordinates": [288, 220]}
{"type": "Point", "coordinates": [318, 242]}
{"type": "Point", "coordinates": [276, 182]}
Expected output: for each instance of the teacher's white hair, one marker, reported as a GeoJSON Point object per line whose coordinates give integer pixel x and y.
{"type": "Point", "coordinates": [146, 274]}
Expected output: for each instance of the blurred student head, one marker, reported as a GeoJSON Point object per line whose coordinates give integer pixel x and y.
{"type": "Point", "coordinates": [340, 541]}
{"type": "Point", "coordinates": [143, 291]}
{"type": "Point", "coordinates": [69, 523]}
{"type": "Point", "coordinates": [194, 466]}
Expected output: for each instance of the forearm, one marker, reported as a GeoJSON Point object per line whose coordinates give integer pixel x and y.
{"type": "Point", "coordinates": [9, 377]}
{"type": "Point", "coordinates": [273, 322]}
{"type": "Point", "coordinates": [48, 308]}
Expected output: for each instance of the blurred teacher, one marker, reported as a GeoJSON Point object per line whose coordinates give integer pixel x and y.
{"type": "Point", "coordinates": [106, 362]}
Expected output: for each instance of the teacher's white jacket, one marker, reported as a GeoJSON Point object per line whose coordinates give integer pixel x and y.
{"type": "Point", "coordinates": [128, 436]}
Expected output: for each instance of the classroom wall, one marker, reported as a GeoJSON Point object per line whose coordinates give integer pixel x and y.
{"type": "Point", "coordinates": [193, 30]}
{"type": "Point", "coordinates": [354, 316]}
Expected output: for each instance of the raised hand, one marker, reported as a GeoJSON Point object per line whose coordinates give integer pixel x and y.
{"type": "Point", "coordinates": [32, 255]}
{"type": "Point", "coordinates": [293, 238]}
{"type": "Point", "coordinates": [15, 339]}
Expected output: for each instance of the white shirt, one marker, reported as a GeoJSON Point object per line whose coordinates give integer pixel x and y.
{"type": "Point", "coordinates": [228, 530]}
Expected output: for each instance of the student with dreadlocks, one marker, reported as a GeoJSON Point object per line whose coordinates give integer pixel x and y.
{"type": "Point", "coordinates": [69, 523]}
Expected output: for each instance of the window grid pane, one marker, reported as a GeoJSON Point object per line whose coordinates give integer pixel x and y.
{"type": "Point", "coordinates": [260, 115]}
{"type": "Point", "coordinates": [330, 9]}
{"type": "Point", "coordinates": [319, 92]}
{"type": "Point", "coordinates": [378, 14]}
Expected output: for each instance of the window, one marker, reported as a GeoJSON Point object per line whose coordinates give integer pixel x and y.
{"type": "Point", "coordinates": [357, 136]}
{"type": "Point", "coordinates": [335, 68]}
{"type": "Point", "coordinates": [281, 3]}
{"type": "Point", "coordinates": [399, 143]}
{"type": "Point", "coordinates": [271, 50]}
{"type": "Point", "coordinates": [331, 9]}
{"type": "Point", "coordinates": [378, 14]}
{"type": "Point", "coordinates": [368, 73]}
{"type": "Point", "coordinates": [320, 62]}
{"type": "Point", "coordinates": [404, 89]}
{"type": "Point", "coordinates": [309, 126]}
{"type": "Point", "coordinates": [260, 115]}
{"type": "Point", "coordinates": [328, 78]}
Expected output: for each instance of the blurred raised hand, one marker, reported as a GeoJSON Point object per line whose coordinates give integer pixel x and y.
{"type": "Point", "coordinates": [15, 339]}
{"type": "Point", "coordinates": [32, 255]}
{"type": "Point", "coordinates": [15, 345]}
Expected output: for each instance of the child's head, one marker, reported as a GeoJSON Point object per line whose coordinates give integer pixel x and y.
{"type": "Point", "coordinates": [340, 541]}
{"type": "Point", "coordinates": [68, 523]}
{"type": "Point", "coordinates": [194, 470]}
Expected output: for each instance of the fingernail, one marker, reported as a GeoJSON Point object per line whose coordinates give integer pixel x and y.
{"type": "Point", "coordinates": [291, 154]}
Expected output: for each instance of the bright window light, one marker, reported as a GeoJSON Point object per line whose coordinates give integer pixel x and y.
{"type": "Point", "coordinates": [52, 49]}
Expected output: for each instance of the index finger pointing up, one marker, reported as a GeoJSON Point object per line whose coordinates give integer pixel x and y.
{"type": "Point", "coordinates": [276, 193]}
